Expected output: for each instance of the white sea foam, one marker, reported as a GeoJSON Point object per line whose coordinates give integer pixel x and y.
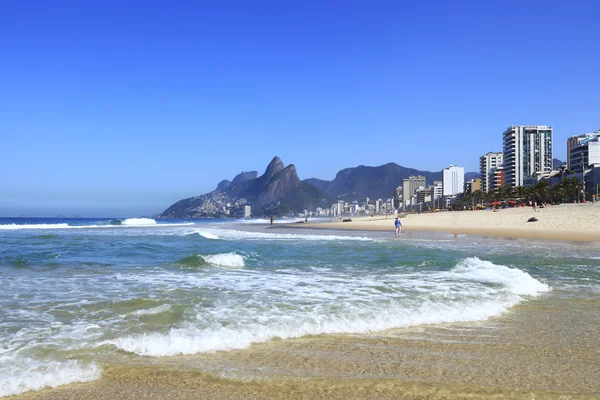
{"type": "Point", "coordinates": [327, 303]}
{"type": "Point", "coordinates": [203, 233]}
{"type": "Point", "coordinates": [225, 260]}
{"type": "Point", "coordinates": [151, 311]}
{"type": "Point", "coordinates": [25, 374]}
{"type": "Point", "coordinates": [34, 226]}
{"type": "Point", "coordinates": [139, 221]}
{"type": "Point", "coordinates": [231, 234]}
{"type": "Point", "coordinates": [127, 223]}
{"type": "Point", "coordinates": [515, 280]}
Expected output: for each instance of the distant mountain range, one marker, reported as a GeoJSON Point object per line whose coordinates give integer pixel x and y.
{"type": "Point", "coordinates": [279, 191]}
{"type": "Point", "coordinates": [374, 182]}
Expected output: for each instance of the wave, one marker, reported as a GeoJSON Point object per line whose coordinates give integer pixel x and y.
{"type": "Point", "coordinates": [230, 234]}
{"type": "Point", "coordinates": [474, 290]}
{"type": "Point", "coordinates": [223, 259]}
{"type": "Point", "coordinates": [151, 311]}
{"type": "Point", "coordinates": [203, 233]}
{"type": "Point", "coordinates": [113, 223]}
{"type": "Point", "coordinates": [139, 221]}
{"type": "Point", "coordinates": [25, 374]}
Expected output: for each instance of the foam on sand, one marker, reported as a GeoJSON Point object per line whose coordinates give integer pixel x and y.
{"type": "Point", "coordinates": [20, 375]}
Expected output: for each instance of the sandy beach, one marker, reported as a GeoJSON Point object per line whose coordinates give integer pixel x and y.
{"type": "Point", "coordinates": [571, 222]}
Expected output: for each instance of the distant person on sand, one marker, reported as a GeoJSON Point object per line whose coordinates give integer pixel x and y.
{"type": "Point", "coordinates": [398, 226]}
{"type": "Point", "coordinates": [272, 219]}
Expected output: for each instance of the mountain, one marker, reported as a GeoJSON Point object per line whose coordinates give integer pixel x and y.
{"type": "Point", "coordinates": [374, 182]}
{"type": "Point", "coordinates": [556, 163]}
{"type": "Point", "coordinates": [472, 175]}
{"type": "Point", "coordinates": [318, 183]}
{"type": "Point", "coordinates": [278, 191]}
{"type": "Point", "coordinates": [245, 176]}
{"type": "Point", "coordinates": [224, 184]}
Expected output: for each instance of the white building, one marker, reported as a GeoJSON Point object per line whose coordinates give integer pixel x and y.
{"type": "Point", "coordinates": [583, 151]}
{"type": "Point", "coordinates": [453, 180]}
{"type": "Point", "coordinates": [436, 190]}
{"type": "Point", "coordinates": [488, 164]}
{"type": "Point", "coordinates": [378, 205]}
{"type": "Point", "coordinates": [247, 211]}
{"type": "Point", "coordinates": [527, 152]}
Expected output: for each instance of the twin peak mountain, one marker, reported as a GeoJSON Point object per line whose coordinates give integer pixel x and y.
{"type": "Point", "coordinates": [279, 191]}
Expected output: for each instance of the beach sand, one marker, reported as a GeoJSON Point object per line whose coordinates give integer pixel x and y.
{"type": "Point", "coordinates": [570, 222]}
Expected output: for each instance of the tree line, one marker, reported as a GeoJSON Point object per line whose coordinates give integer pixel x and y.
{"type": "Point", "coordinates": [569, 190]}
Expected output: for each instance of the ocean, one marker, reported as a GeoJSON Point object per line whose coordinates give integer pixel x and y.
{"type": "Point", "coordinates": [81, 296]}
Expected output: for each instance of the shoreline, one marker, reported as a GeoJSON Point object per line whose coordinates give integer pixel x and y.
{"type": "Point", "coordinates": [576, 223]}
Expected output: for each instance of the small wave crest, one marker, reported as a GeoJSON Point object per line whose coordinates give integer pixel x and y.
{"type": "Point", "coordinates": [113, 223]}
{"type": "Point", "coordinates": [231, 234]}
{"type": "Point", "coordinates": [514, 280]}
{"type": "Point", "coordinates": [223, 259]}
{"type": "Point", "coordinates": [138, 221]}
{"type": "Point", "coordinates": [34, 226]}
{"type": "Point", "coordinates": [203, 233]}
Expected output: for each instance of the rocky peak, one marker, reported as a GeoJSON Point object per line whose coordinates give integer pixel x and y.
{"type": "Point", "coordinates": [275, 166]}
{"type": "Point", "coordinates": [279, 185]}
{"type": "Point", "coordinates": [224, 184]}
{"type": "Point", "coordinates": [244, 176]}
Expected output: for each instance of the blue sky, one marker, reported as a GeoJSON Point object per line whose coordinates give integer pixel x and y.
{"type": "Point", "coordinates": [121, 108]}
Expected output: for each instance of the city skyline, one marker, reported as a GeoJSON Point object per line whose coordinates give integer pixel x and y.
{"type": "Point", "coordinates": [113, 109]}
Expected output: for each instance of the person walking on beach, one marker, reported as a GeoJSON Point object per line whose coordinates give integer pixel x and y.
{"type": "Point", "coordinates": [398, 226]}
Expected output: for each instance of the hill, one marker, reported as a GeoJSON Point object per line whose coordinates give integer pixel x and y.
{"type": "Point", "coordinates": [278, 191]}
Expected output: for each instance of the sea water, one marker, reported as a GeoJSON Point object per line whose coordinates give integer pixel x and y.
{"type": "Point", "coordinates": [82, 294]}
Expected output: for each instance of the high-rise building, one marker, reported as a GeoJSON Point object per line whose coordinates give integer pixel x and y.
{"type": "Point", "coordinates": [499, 177]}
{"type": "Point", "coordinates": [473, 185]}
{"type": "Point", "coordinates": [436, 190]}
{"type": "Point", "coordinates": [487, 167]}
{"type": "Point", "coordinates": [527, 152]}
{"type": "Point", "coordinates": [453, 180]}
{"type": "Point", "coordinates": [410, 186]}
{"type": "Point", "coordinates": [247, 211]}
{"type": "Point", "coordinates": [583, 151]}
{"type": "Point", "coordinates": [423, 195]}
{"type": "Point", "coordinates": [398, 196]}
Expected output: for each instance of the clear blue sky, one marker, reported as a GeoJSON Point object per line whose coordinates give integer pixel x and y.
{"type": "Point", "coordinates": [123, 107]}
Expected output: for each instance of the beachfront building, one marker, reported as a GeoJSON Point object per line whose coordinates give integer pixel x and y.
{"type": "Point", "coordinates": [436, 190]}
{"type": "Point", "coordinates": [527, 152]}
{"type": "Point", "coordinates": [247, 211]}
{"type": "Point", "coordinates": [583, 151]}
{"type": "Point", "coordinates": [499, 177]}
{"type": "Point", "coordinates": [584, 158]}
{"type": "Point", "coordinates": [453, 180]}
{"type": "Point", "coordinates": [410, 186]}
{"type": "Point", "coordinates": [488, 164]}
{"type": "Point", "coordinates": [398, 196]}
{"type": "Point", "coordinates": [423, 195]}
{"type": "Point", "coordinates": [472, 185]}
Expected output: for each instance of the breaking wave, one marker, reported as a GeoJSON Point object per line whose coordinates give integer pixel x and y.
{"type": "Point", "coordinates": [473, 290]}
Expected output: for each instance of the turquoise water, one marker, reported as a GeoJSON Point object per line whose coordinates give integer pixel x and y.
{"type": "Point", "coordinates": [79, 295]}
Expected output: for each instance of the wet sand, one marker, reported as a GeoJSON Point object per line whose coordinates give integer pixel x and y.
{"type": "Point", "coordinates": [546, 348]}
